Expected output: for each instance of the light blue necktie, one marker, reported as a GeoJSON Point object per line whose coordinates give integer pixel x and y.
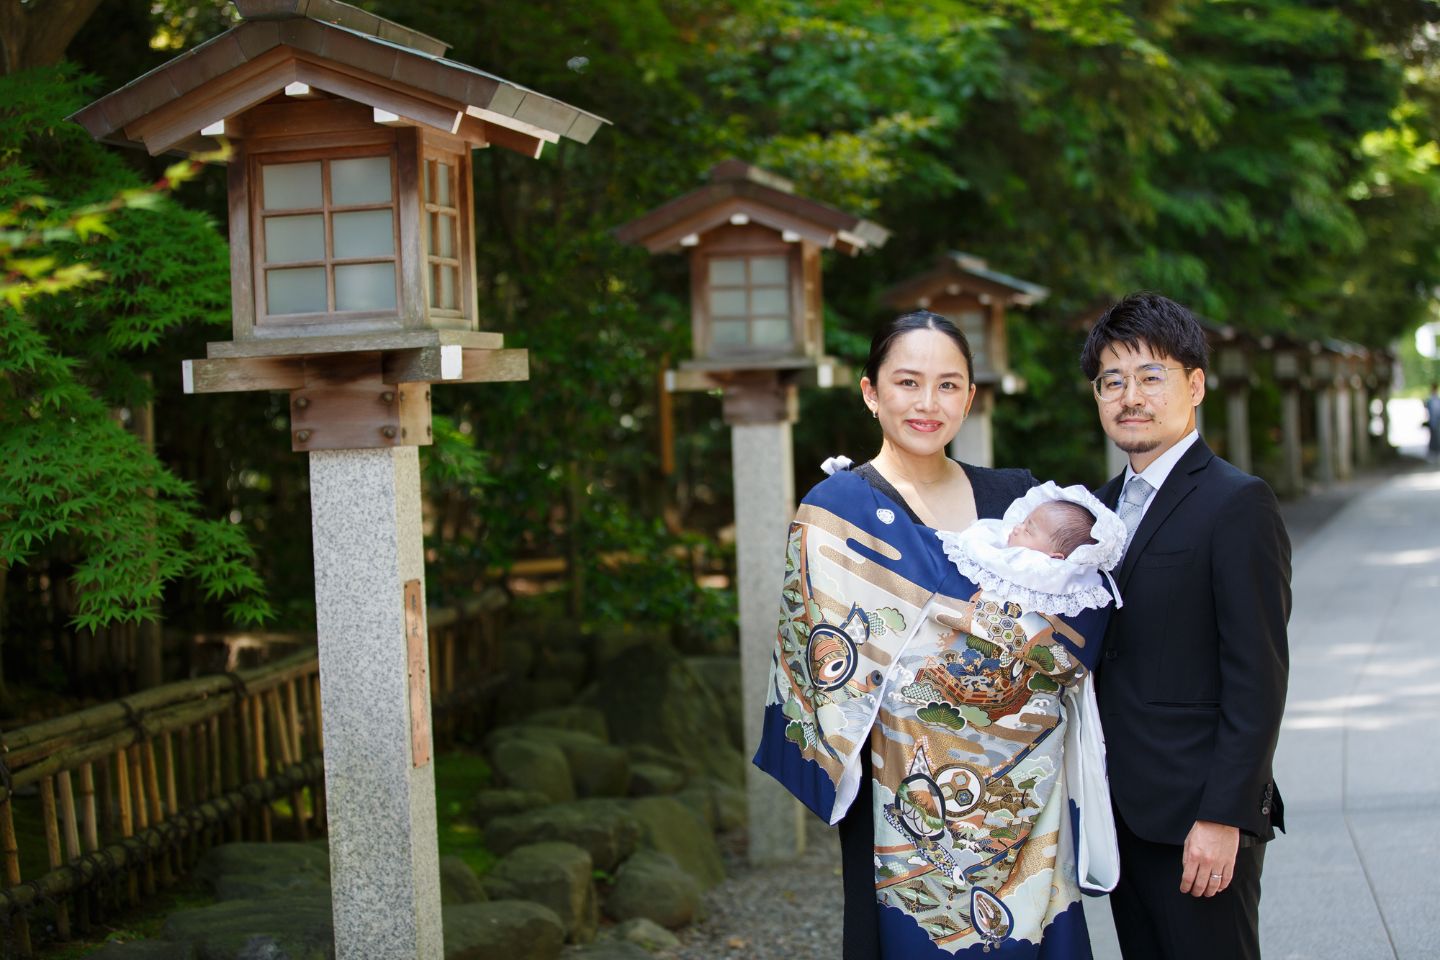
{"type": "Point", "coordinates": [1132, 506]}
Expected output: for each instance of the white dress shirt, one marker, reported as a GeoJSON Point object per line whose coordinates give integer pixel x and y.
{"type": "Point", "coordinates": [1158, 470]}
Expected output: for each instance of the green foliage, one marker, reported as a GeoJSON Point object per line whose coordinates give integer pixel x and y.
{"type": "Point", "coordinates": [942, 715]}
{"type": "Point", "coordinates": [73, 480]}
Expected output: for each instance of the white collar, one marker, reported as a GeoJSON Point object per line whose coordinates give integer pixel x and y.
{"type": "Point", "coordinates": [1159, 470]}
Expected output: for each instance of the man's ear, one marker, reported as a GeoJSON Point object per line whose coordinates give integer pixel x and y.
{"type": "Point", "coordinates": [1197, 387]}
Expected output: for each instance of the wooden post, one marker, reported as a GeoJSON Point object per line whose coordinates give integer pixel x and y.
{"type": "Point", "coordinates": [127, 816]}
{"type": "Point", "coordinates": [10, 848]}
{"type": "Point", "coordinates": [50, 819]}
{"type": "Point", "coordinates": [70, 828]}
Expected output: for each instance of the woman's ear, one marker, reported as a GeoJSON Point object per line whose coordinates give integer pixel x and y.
{"type": "Point", "coordinates": [868, 394]}
{"type": "Point", "coordinates": [971, 401]}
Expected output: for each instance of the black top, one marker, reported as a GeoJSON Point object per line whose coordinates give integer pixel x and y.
{"type": "Point", "coordinates": [994, 488]}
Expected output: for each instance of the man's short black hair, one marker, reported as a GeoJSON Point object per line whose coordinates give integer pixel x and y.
{"type": "Point", "coordinates": [1158, 322]}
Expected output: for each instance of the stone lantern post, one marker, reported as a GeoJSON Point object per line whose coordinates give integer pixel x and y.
{"type": "Point", "coordinates": [1232, 365]}
{"type": "Point", "coordinates": [1322, 376]}
{"type": "Point", "coordinates": [352, 273]}
{"type": "Point", "coordinates": [963, 289]}
{"type": "Point", "coordinates": [757, 324]}
{"type": "Point", "coordinates": [1287, 359]}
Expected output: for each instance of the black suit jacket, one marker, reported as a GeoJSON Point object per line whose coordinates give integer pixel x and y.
{"type": "Point", "coordinates": [1192, 681]}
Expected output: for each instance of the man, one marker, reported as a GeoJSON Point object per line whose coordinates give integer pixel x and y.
{"type": "Point", "coordinates": [1191, 686]}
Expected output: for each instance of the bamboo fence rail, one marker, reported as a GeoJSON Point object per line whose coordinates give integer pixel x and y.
{"type": "Point", "coordinates": [119, 799]}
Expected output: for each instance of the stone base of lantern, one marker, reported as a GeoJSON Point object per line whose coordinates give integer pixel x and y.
{"type": "Point", "coordinates": [374, 690]}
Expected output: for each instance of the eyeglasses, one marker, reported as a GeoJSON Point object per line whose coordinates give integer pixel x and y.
{"type": "Point", "coordinates": [1149, 380]}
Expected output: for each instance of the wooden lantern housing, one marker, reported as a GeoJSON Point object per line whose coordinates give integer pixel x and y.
{"type": "Point", "coordinates": [963, 289]}
{"type": "Point", "coordinates": [755, 246]}
{"type": "Point", "coordinates": [351, 235]}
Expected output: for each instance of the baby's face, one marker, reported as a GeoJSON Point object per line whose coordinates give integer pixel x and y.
{"type": "Point", "coordinates": [1037, 531]}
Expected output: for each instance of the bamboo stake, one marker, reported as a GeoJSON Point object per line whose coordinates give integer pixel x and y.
{"type": "Point", "coordinates": [292, 705]}
{"type": "Point", "coordinates": [127, 817]}
{"type": "Point", "coordinates": [71, 827]}
{"type": "Point", "coordinates": [281, 734]}
{"type": "Point", "coordinates": [141, 808]}
{"type": "Point", "coordinates": [157, 808]}
{"type": "Point", "coordinates": [233, 730]}
{"type": "Point", "coordinates": [257, 714]}
{"type": "Point", "coordinates": [19, 926]}
{"type": "Point", "coordinates": [50, 819]}
{"type": "Point", "coordinates": [87, 807]}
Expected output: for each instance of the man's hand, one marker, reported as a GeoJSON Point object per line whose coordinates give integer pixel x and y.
{"type": "Point", "coordinates": [1209, 860]}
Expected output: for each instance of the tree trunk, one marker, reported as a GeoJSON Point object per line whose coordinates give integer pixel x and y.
{"type": "Point", "coordinates": [36, 35]}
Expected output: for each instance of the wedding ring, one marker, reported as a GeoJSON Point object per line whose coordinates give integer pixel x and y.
{"type": "Point", "coordinates": [1217, 876]}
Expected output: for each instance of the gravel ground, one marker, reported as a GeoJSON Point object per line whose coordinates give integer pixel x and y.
{"type": "Point", "coordinates": [788, 912]}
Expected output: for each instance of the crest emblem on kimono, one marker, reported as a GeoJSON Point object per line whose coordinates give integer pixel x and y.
{"type": "Point", "coordinates": [885, 515]}
{"type": "Point", "coordinates": [831, 650]}
{"type": "Point", "coordinates": [990, 916]}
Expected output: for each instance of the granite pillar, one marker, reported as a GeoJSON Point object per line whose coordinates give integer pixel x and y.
{"type": "Point", "coordinates": [1360, 408]}
{"type": "Point", "coordinates": [1237, 426]}
{"type": "Point", "coordinates": [1344, 440]}
{"type": "Point", "coordinates": [975, 443]}
{"type": "Point", "coordinates": [1293, 477]}
{"type": "Point", "coordinates": [1324, 434]}
{"type": "Point", "coordinates": [379, 781]}
{"type": "Point", "coordinates": [764, 506]}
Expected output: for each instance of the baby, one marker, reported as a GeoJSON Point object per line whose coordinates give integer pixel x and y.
{"type": "Point", "coordinates": [1056, 527]}
{"type": "Point", "coordinates": [1051, 553]}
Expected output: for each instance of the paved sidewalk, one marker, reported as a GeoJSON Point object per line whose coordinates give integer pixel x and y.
{"type": "Point", "coordinates": [1355, 877]}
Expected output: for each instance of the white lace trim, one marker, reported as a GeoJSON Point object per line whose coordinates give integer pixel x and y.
{"type": "Point", "coordinates": [1030, 578]}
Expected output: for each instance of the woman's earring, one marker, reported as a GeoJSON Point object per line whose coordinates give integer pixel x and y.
{"type": "Point", "coordinates": [875, 414]}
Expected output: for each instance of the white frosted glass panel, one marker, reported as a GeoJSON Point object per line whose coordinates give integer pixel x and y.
{"type": "Point", "coordinates": [300, 290]}
{"type": "Point", "coordinates": [727, 303]}
{"type": "Point", "coordinates": [731, 333]}
{"type": "Point", "coordinates": [365, 286]}
{"type": "Point", "coordinates": [443, 173]}
{"type": "Point", "coordinates": [291, 186]}
{"type": "Point", "coordinates": [288, 239]}
{"type": "Point", "coordinates": [448, 298]}
{"type": "Point", "coordinates": [768, 270]}
{"type": "Point", "coordinates": [727, 273]}
{"type": "Point", "coordinates": [770, 331]}
{"type": "Point", "coordinates": [365, 233]}
{"type": "Point", "coordinates": [770, 300]}
{"type": "Point", "coordinates": [444, 236]}
{"type": "Point", "coordinates": [362, 180]}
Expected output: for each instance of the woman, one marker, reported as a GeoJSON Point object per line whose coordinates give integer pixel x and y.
{"type": "Point", "coordinates": [923, 718]}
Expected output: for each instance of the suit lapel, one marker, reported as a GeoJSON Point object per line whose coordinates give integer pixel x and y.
{"type": "Point", "coordinates": [1183, 479]}
{"type": "Point", "coordinates": [1109, 493]}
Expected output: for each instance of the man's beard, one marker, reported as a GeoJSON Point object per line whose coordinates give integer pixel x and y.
{"type": "Point", "coordinates": [1137, 445]}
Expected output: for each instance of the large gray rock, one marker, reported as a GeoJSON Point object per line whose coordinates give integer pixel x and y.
{"type": "Point", "coordinates": [596, 768]}
{"type": "Point", "coordinates": [721, 676]}
{"type": "Point", "coordinates": [646, 934]}
{"type": "Point", "coordinates": [723, 805]}
{"type": "Point", "coordinates": [652, 779]}
{"type": "Point", "coordinates": [292, 928]}
{"type": "Point", "coordinates": [602, 828]}
{"type": "Point", "coordinates": [523, 763]}
{"type": "Point", "coordinates": [458, 883]}
{"type": "Point", "coordinates": [144, 950]}
{"type": "Point", "coordinates": [502, 930]}
{"type": "Point", "coordinates": [682, 833]}
{"type": "Point", "coordinates": [650, 695]}
{"type": "Point", "coordinates": [609, 950]}
{"type": "Point", "coordinates": [652, 886]}
{"type": "Point", "coordinates": [255, 871]}
{"type": "Point", "coordinates": [574, 717]}
{"type": "Point", "coordinates": [489, 804]}
{"type": "Point", "coordinates": [515, 701]}
{"type": "Point", "coordinates": [555, 875]}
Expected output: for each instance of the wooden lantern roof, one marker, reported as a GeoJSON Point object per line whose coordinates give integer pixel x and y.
{"type": "Point", "coordinates": [738, 192]}
{"type": "Point", "coordinates": [960, 274]}
{"type": "Point", "coordinates": [299, 46]}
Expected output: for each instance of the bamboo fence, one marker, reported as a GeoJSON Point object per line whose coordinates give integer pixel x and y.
{"type": "Point", "coordinates": [124, 797]}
